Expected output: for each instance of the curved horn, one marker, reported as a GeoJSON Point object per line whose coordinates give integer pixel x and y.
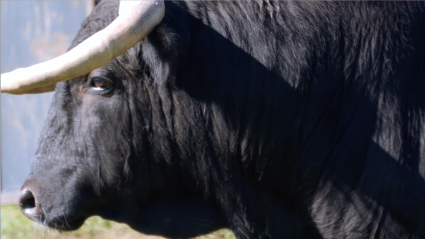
{"type": "Point", "coordinates": [135, 21]}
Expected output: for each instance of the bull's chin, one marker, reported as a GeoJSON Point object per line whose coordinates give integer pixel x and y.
{"type": "Point", "coordinates": [169, 218]}
{"type": "Point", "coordinates": [63, 224]}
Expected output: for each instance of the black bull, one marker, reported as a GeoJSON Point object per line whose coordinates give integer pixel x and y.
{"type": "Point", "coordinates": [274, 119]}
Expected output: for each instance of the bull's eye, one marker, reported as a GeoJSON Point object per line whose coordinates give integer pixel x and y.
{"type": "Point", "coordinates": [100, 83]}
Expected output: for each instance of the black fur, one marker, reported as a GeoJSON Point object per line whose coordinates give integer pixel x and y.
{"type": "Point", "coordinates": [277, 119]}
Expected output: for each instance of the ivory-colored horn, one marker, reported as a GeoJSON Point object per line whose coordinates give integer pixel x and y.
{"type": "Point", "coordinates": [135, 21]}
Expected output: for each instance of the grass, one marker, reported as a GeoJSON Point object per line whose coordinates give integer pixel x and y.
{"type": "Point", "coordinates": [14, 225]}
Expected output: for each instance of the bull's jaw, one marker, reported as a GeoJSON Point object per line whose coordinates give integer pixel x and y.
{"type": "Point", "coordinates": [172, 218]}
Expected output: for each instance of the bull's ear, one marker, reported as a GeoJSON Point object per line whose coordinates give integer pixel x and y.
{"type": "Point", "coordinates": [135, 21]}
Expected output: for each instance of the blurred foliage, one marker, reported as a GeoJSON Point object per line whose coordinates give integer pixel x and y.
{"type": "Point", "coordinates": [14, 225]}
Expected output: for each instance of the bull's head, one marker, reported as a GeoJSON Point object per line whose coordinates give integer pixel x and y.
{"type": "Point", "coordinates": [96, 129]}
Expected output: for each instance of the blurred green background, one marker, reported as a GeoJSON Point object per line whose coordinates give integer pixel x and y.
{"type": "Point", "coordinates": [14, 225]}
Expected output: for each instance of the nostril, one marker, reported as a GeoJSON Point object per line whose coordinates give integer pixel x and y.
{"type": "Point", "coordinates": [29, 206]}
{"type": "Point", "coordinates": [27, 200]}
